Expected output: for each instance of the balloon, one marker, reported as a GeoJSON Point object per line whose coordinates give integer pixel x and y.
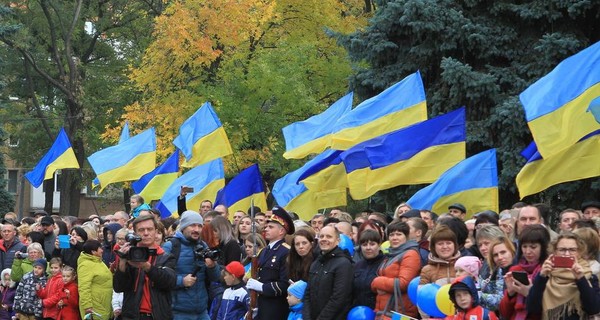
{"type": "Point", "coordinates": [361, 313]}
{"type": "Point", "coordinates": [443, 302]}
{"type": "Point", "coordinates": [413, 287]}
{"type": "Point", "coordinates": [346, 243]}
{"type": "Point", "coordinates": [385, 247]}
{"type": "Point", "coordinates": [426, 300]}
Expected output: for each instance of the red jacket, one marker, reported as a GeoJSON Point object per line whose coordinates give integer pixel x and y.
{"type": "Point", "coordinates": [70, 309]}
{"type": "Point", "coordinates": [50, 296]}
{"type": "Point", "coordinates": [513, 307]}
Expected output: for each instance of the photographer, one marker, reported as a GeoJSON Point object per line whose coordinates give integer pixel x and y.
{"type": "Point", "coordinates": [146, 285]}
{"type": "Point", "coordinates": [194, 268]}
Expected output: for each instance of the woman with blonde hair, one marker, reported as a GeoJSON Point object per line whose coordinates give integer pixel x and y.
{"type": "Point", "coordinates": [592, 243]}
{"type": "Point", "coordinates": [500, 258]}
{"type": "Point", "coordinates": [565, 288]}
{"type": "Point", "coordinates": [23, 263]}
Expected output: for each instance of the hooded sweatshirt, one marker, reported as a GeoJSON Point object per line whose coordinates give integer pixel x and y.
{"type": "Point", "coordinates": [475, 311]}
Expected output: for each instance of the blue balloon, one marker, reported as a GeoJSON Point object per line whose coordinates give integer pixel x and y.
{"type": "Point", "coordinates": [426, 299]}
{"type": "Point", "coordinates": [413, 286]}
{"type": "Point", "coordinates": [346, 243]}
{"type": "Point", "coordinates": [361, 313]}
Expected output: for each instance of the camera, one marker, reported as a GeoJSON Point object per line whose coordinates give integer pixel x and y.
{"type": "Point", "coordinates": [21, 255]}
{"type": "Point", "coordinates": [137, 254]}
{"type": "Point", "coordinates": [202, 253]}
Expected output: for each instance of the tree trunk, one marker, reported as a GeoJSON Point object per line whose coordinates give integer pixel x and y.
{"type": "Point", "coordinates": [48, 195]}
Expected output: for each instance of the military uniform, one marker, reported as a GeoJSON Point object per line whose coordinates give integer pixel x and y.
{"type": "Point", "coordinates": [272, 272]}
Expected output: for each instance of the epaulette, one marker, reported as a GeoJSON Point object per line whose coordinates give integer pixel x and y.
{"type": "Point", "coordinates": [285, 244]}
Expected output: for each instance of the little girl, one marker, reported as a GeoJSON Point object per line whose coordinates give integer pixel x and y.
{"type": "Point", "coordinates": [50, 294]}
{"type": "Point", "coordinates": [7, 295]}
{"type": "Point", "coordinates": [69, 296]}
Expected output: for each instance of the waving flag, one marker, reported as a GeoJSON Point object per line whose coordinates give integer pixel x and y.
{"type": "Point", "coordinates": [126, 161]}
{"type": "Point", "coordinates": [202, 137]}
{"type": "Point", "coordinates": [242, 189]}
{"type": "Point", "coordinates": [206, 180]}
{"type": "Point", "coordinates": [472, 182]}
{"type": "Point", "coordinates": [124, 137]}
{"type": "Point", "coordinates": [153, 185]}
{"type": "Point", "coordinates": [314, 134]}
{"type": "Point", "coordinates": [399, 106]}
{"type": "Point", "coordinates": [556, 106]}
{"type": "Point", "coordinates": [413, 155]}
{"type": "Point", "coordinates": [60, 156]}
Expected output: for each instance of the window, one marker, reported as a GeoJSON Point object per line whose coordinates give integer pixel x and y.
{"type": "Point", "coordinates": [13, 178]}
{"type": "Point", "coordinates": [13, 141]}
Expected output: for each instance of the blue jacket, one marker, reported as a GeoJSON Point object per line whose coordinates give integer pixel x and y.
{"type": "Point", "coordinates": [193, 299]}
{"type": "Point", "coordinates": [234, 304]}
{"type": "Point", "coordinates": [296, 312]}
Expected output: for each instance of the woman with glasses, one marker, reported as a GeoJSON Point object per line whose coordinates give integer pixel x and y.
{"type": "Point", "coordinates": [565, 288]}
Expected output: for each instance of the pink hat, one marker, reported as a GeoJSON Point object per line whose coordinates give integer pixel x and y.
{"type": "Point", "coordinates": [469, 264]}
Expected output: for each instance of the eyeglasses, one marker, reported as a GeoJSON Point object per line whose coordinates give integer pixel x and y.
{"type": "Point", "coordinates": [565, 250]}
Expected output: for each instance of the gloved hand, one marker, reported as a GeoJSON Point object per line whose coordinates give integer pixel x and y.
{"type": "Point", "coordinates": [254, 285]}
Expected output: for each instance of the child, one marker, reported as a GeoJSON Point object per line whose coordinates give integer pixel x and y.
{"type": "Point", "coordinates": [50, 294]}
{"type": "Point", "coordinates": [467, 266]}
{"type": "Point", "coordinates": [235, 302]}
{"type": "Point", "coordinates": [294, 299]}
{"type": "Point", "coordinates": [27, 304]}
{"type": "Point", "coordinates": [69, 296]}
{"type": "Point", "coordinates": [8, 289]}
{"type": "Point", "coordinates": [466, 300]}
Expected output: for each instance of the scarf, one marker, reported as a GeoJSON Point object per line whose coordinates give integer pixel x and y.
{"type": "Point", "coordinates": [396, 254]}
{"type": "Point", "coordinates": [521, 303]}
{"type": "Point", "coordinates": [561, 296]}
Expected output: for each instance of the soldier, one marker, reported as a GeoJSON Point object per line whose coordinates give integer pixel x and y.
{"type": "Point", "coordinates": [272, 280]}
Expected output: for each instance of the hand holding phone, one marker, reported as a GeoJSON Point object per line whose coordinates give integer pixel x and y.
{"type": "Point", "coordinates": [521, 276]}
{"type": "Point", "coordinates": [563, 262]}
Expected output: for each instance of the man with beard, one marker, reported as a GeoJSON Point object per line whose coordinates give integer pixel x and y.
{"type": "Point", "coordinates": [190, 297]}
{"type": "Point", "coordinates": [49, 236]}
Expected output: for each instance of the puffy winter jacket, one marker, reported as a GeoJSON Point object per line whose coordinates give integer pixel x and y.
{"type": "Point", "coordinates": [50, 295]}
{"type": "Point", "coordinates": [95, 285]}
{"type": "Point", "coordinates": [475, 312]}
{"type": "Point", "coordinates": [26, 299]}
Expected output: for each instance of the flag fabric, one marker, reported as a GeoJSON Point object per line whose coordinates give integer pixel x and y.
{"type": "Point", "coordinates": [325, 172]}
{"type": "Point", "coordinates": [242, 189]}
{"type": "Point", "coordinates": [556, 106]}
{"type": "Point", "coordinates": [206, 180]}
{"type": "Point", "coordinates": [126, 161]}
{"type": "Point", "coordinates": [579, 161]}
{"type": "Point", "coordinates": [295, 197]}
{"type": "Point", "coordinates": [400, 316]}
{"type": "Point", "coordinates": [313, 135]}
{"type": "Point", "coordinates": [60, 156]}
{"type": "Point", "coordinates": [398, 106]}
{"type": "Point", "coordinates": [202, 137]}
{"type": "Point", "coordinates": [124, 137]}
{"type": "Point", "coordinates": [472, 182]}
{"type": "Point", "coordinates": [413, 155]}
{"type": "Point", "coordinates": [153, 185]}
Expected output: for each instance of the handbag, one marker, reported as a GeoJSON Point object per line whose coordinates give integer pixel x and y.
{"type": "Point", "coordinates": [393, 303]}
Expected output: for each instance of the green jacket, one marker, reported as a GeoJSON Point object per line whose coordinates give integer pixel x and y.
{"type": "Point", "coordinates": [95, 286]}
{"type": "Point", "coordinates": [19, 268]}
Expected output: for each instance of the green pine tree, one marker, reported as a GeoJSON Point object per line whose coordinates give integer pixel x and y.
{"type": "Point", "coordinates": [7, 200]}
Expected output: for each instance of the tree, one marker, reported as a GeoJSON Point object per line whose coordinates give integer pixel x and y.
{"type": "Point", "coordinates": [480, 54]}
{"type": "Point", "coordinates": [7, 201]}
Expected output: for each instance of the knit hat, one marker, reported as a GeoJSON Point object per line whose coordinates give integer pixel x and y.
{"type": "Point", "coordinates": [236, 269]}
{"type": "Point", "coordinates": [470, 264]}
{"type": "Point", "coordinates": [297, 289]}
{"type": "Point", "coordinates": [40, 262]}
{"type": "Point", "coordinates": [190, 217]}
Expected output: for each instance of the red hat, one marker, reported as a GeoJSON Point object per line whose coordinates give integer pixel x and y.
{"type": "Point", "coordinates": [236, 269]}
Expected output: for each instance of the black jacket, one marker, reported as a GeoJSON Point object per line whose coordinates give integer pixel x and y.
{"type": "Point", "coordinates": [364, 273]}
{"type": "Point", "coordinates": [329, 291]}
{"type": "Point", "coordinates": [131, 283]}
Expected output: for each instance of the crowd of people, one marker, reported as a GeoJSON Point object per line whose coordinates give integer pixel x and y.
{"type": "Point", "coordinates": [272, 265]}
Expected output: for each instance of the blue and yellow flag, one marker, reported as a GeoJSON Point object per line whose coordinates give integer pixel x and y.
{"type": "Point", "coordinates": [472, 182]}
{"type": "Point", "coordinates": [399, 106]}
{"type": "Point", "coordinates": [206, 180]}
{"type": "Point", "coordinates": [579, 161]}
{"type": "Point", "coordinates": [126, 161]}
{"type": "Point", "coordinates": [153, 185]}
{"type": "Point", "coordinates": [242, 189]}
{"type": "Point", "coordinates": [325, 172]}
{"type": "Point", "coordinates": [413, 155]}
{"type": "Point", "coordinates": [313, 135]}
{"type": "Point", "coordinates": [556, 105]}
{"type": "Point", "coordinates": [202, 137]}
{"type": "Point", "coordinates": [60, 156]}
{"type": "Point", "coordinates": [295, 197]}
{"type": "Point", "coordinates": [124, 137]}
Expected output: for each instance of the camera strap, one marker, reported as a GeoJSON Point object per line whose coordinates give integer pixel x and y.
{"type": "Point", "coordinates": [175, 248]}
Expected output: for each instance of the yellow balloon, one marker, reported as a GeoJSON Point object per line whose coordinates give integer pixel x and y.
{"type": "Point", "coordinates": [385, 247]}
{"type": "Point", "coordinates": [443, 302]}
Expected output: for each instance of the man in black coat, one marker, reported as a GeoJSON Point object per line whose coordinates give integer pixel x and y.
{"type": "Point", "coordinates": [329, 291]}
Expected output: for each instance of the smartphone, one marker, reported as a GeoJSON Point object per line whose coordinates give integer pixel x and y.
{"type": "Point", "coordinates": [187, 189]}
{"type": "Point", "coordinates": [563, 262]}
{"type": "Point", "coordinates": [521, 276]}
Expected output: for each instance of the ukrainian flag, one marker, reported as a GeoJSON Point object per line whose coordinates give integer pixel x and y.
{"type": "Point", "coordinates": [242, 189]}
{"type": "Point", "coordinates": [399, 106]}
{"type": "Point", "coordinates": [579, 161]}
{"type": "Point", "coordinates": [314, 134]}
{"type": "Point", "coordinates": [206, 179]}
{"type": "Point", "coordinates": [153, 185]}
{"type": "Point", "coordinates": [60, 156]}
{"type": "Point", "coordinates": [124, 137]}
{"type": "Point", "coordinates": [294, 196]}
{"type": "Point", "coordinates": [556, 105]}
{"type": "Point", "coordinates": [472, 182]}
{"type": "Point", "coordinates": [413, 155]}
{"type": "Point", "coordinates": [325, 172]}
{"type": "Point", "coordinates": [202, 137]}
{"type": "Point", "coordinates": [126, 161]}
